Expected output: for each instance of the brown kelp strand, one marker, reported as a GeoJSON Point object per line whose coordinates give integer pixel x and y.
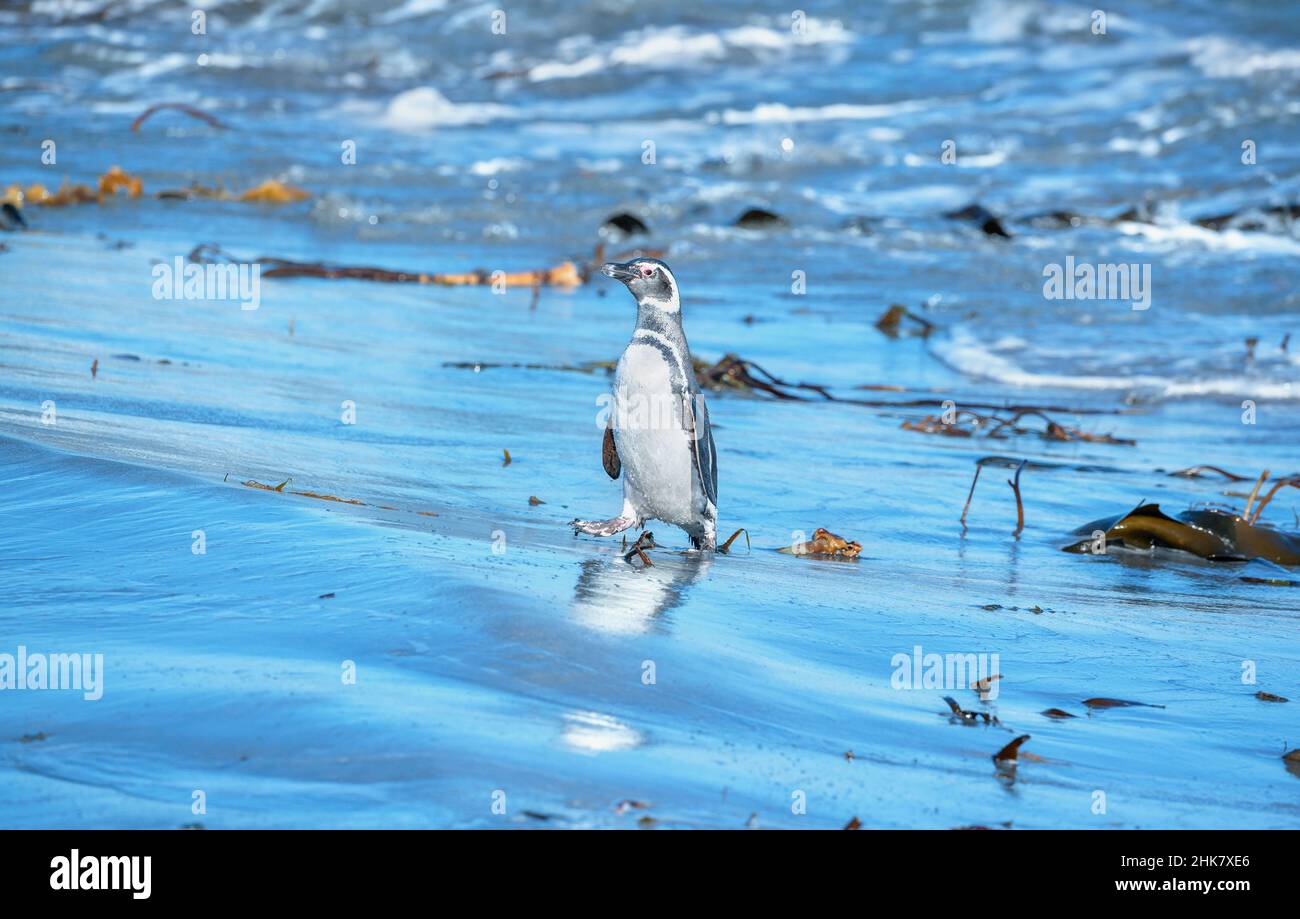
{"type": "Point", "coordinates": [733, 373]}
{"type": "Point", "coordinates": [891, 323]}
{"type": "Point", "coordinates": [1007, 462]}
{"type": "Point", "coordinates": [638, 549]}
{"type": "Point", "coordinates": [319, 496]}
{"type": "Point", "coordinates": [181, 107]}
{"type": "Point", "coordinates": [1210, 533]}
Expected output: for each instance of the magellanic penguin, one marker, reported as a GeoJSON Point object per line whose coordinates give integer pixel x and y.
{"type": "Point", "coordinates": [658, 435]}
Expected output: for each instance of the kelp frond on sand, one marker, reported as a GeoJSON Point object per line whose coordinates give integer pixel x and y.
{"type": "Point", "coordinates": [1009, 463]}
{"type": "Point", "coordinates": [1209, 533]}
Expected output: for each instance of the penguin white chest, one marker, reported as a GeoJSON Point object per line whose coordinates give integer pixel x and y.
{"type": "Point", "coordinates": [652, 444]}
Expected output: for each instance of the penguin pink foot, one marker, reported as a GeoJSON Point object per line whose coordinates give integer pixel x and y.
{"type": "Point", "coordinates": [603, 527]}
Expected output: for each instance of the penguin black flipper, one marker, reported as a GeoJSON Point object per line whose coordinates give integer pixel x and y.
{"type": "Point", "coordinates": [609, 454]}
{"type": "Point", "coordinates": [702, 449]}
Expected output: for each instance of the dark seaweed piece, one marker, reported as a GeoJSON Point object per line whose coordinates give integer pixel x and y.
{"type": "Point", "coordinates": [179, 107]}
{"type": "Point", "coordinates": [965, 715]}
{"type": "Point", "coordinates": [1102, 702]}
{"type": "Point", "coordinates": [1011, 752]}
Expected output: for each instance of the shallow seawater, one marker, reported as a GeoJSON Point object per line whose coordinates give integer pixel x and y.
{"type": "Point", "coordinates": [493, 651]}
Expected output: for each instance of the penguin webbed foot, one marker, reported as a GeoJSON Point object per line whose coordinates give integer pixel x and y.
{"type": "Point", "coordinates": [603, 527]}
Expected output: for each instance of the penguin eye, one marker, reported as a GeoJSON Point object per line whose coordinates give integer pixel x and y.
{"type": "Point", "coordinates": [647, 271]}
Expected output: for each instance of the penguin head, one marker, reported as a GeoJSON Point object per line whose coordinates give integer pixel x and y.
{"type": "Point", "coordinates": [649, 280]}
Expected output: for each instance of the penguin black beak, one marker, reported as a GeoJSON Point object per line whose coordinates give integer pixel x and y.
{"type": "Point", "coordinates": [618, 271]}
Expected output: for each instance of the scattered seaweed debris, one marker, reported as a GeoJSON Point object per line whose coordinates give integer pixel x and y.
{"type": "Point", "coordinates": [533, 501]}
{"type": "Point", "coordinates": [733, 373]}
{"type": "Point", "coordinates": [985, 686]}
{"type": "Point", "coordinates": [982, 217]}
{"type": "Point", "coordinates": [505, 458]}
{"type": "Point", "coordinates": [1210, 533]}
{"type": "Point", "coordinates": [757, 218]}
{"type": "Point", "coordinates": [965, 716]}
{"type": "Point", "coordinates": [1011, 752]}
{"type": "Point", "coordinates": [565, 274]}
{"type": "Point", "coordinates": [1101, 702]}
{"type": "Point", "coordinates": [177, 107]}
{"type": "Point", "coordinates": [107, 186]}
{"type": "Point", "coordinates": [271, 191]}
{"type": "Point", "coordinates": [825, 544]}
{"type": "Point", "coordinates": [645, 541]}
{"type": "Point", "coordinates": [853, 824]}
{"type": "Point", "coordinates": [969, 423]}
{"type": "Point", "coordinates": [1270, 697]}
{"type": "Point", "coordinates": [1058, 713]}
{"type": "Point", "coordinates": [33, 738]}
{"type": "Point", "coordinates": [891, 322]}
{"type": "Point", "coordinates": [94, 368]}
{"type": "Point", "coordinates": [115, 180]}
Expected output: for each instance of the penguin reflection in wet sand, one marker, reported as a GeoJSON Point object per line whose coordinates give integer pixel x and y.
{"type": "Point", "coordinates": [658, 434]}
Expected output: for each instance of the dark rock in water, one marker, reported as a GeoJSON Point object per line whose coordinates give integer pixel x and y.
{"type": "Point", "coordinates": [11, 218]}
{"type": "Point", "coordinates": [758, 219]}
{"type": "Point", "coordinates": [862, 225]}
{"type": "Point", "coordinates": [1253, 219]}
{"type": "Point", "coordinates": [978, 214]}
{"type": "Point", "coordinates": [1059, 219]}
{"type": "Point", "coordinates": [1140, 214]}
{"type": "Point", "coordinates": [626, 223]}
